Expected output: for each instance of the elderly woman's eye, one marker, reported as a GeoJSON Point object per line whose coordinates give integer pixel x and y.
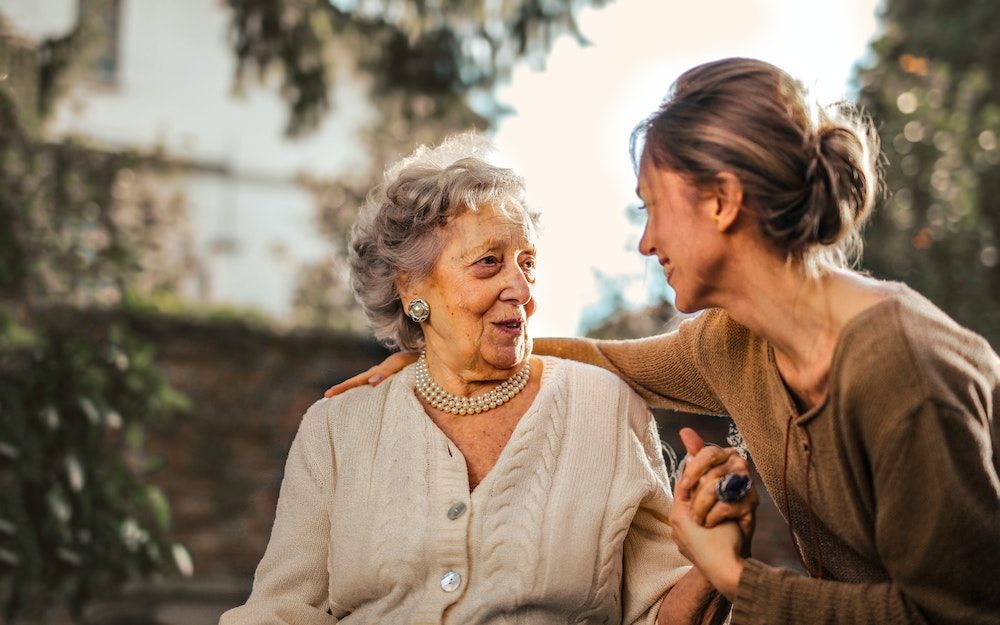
{"type": "Point", "coordinates": [489, 260]}
{"type": "Point", "coordinates": [528, 267]}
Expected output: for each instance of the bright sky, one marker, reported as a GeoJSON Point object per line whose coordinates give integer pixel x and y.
{"type": "Point", "coordinates": [569, 135]}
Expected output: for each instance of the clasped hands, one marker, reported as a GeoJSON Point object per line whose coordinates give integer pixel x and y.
{"type": "Point", "coordinates": [714, 535]}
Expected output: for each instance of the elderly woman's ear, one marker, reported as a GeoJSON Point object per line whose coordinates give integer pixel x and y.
{"type": "Point", "coordinates": [402, 284]}
{"type": "Point", "coordinates": [405, 288]}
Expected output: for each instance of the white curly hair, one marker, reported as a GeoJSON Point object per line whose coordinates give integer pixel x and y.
{"type": "Point", "coordinates": [398, 228]}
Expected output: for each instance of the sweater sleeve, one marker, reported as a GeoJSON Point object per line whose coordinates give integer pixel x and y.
{"type": "Point", "coordinates": [652, 564]}
{"type": "Point", "coordinates": [291, 582]}
{"type": "Point", "coordinates": [663, 369]}
{"type": "Point", "coordinates": [937, 527]}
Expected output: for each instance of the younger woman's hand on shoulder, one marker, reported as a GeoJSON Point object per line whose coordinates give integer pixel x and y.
{"type": "Point", "coordinates": [391, 365]}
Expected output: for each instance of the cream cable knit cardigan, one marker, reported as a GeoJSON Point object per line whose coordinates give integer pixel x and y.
{"type": "Point", "coordinates": [375, 522]}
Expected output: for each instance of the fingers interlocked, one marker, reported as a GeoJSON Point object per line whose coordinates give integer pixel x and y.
{"type": "Point", "coordinates": [701, 476]}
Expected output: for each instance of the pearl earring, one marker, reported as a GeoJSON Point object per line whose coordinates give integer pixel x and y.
{"type": "Point", "coordinates": [418, 310]}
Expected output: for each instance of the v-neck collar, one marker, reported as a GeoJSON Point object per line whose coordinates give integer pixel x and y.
{"type": "Point", "coordinates": [850, 328]}
{"type": "Point", "coordinates": [407, 387]}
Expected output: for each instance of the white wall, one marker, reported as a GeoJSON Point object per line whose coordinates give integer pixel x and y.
{"type": "Point", "coordinates": [174, 91]}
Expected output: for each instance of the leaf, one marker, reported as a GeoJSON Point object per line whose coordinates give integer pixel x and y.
{"type": "Point", "coordinates": [160, 507]}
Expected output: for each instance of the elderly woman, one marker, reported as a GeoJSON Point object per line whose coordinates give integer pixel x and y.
{"type": "Point", "coordinates": [482, 485]}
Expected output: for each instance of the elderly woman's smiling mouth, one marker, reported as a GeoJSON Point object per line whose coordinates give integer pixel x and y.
{"type": "Point", "coordinates": [510, 326]}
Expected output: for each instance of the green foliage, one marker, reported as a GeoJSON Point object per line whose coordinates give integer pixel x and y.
{"type": "Point", "coordinates": [79, 225]}
{"type": "Point", "coordinates": [53, 208]}
{"type": "Point", "coordinates": [323, 296]}
{"type": "Point", "coordinates": [438, 51]}
{"type": "Point", "coordinates": [169, 303]}
{"type": "Point", "coordinates": [934, 91]}
{"type": "Point", "coordinates": [425, 62]}
{"type": "Point", "coordinates": [77, 513]}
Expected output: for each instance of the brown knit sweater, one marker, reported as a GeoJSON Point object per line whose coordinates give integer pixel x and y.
{"type": "Point", "coordinates": [899, 464]}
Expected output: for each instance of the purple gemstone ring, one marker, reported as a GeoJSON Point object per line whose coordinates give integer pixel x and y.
{"type": "Point", "coordinates": [733, 487]}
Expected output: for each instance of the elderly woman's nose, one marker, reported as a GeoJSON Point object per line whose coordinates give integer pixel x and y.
{"type": "Point", "coordinates": [518, 288]}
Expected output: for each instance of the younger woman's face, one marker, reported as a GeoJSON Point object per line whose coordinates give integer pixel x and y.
{"type": "Point", "coordinates": [681, 234]}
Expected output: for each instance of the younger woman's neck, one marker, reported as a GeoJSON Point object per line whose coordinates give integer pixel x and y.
{"type": "Point", "coordinates": [800, 315]}
{"type": "Point", "coordinates": [780, 303]}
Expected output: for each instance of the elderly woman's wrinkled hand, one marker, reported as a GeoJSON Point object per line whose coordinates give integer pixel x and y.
{"type": "Point", "coordinates": [376, 374]}
{"type": "Point", "coordinates": [704, 467]}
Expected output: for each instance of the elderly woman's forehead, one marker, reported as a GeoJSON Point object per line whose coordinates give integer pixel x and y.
{"type": "Point", "coordinates": [507, 212]}
{"type": "Point", "coordinates": [489, 225]}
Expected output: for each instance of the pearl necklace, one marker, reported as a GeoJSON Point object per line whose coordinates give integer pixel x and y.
{"type": "Point", "coordinates": [456, 404]}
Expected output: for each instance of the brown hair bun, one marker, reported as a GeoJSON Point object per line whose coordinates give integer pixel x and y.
{"type": "Point", "coordinates": [809, 174]}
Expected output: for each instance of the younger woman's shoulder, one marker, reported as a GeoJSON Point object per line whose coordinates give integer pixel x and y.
{"type": "Point", "coordinates": [580, 375]}
{"type": "Point", "coordinates": [912, 343]}
{"type": "Point", "coordinates": [925, 333]}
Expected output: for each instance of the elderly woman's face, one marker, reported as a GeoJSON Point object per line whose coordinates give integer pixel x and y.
{"type": "Point", "coordinates": [481, 293]}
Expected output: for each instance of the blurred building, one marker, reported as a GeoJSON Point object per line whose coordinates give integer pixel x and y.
{"type": "Point", "coordinates": [162, 83]}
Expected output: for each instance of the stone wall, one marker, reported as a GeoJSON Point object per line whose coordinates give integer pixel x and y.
{"type": "Point", "coordinates": [223, 461]}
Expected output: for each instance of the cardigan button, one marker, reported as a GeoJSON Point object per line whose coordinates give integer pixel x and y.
{"type": "Point", "coordinates": [451, 581]}
{"type": "Point", "coordinates": [456, 511]}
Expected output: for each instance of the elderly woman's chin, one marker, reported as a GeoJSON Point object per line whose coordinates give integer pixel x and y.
{"type": "Point", "coordinates": [507, 352]}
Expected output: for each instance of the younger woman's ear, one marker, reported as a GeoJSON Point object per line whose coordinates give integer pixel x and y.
{"type": "Point", "coordinates": [728, 200]}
